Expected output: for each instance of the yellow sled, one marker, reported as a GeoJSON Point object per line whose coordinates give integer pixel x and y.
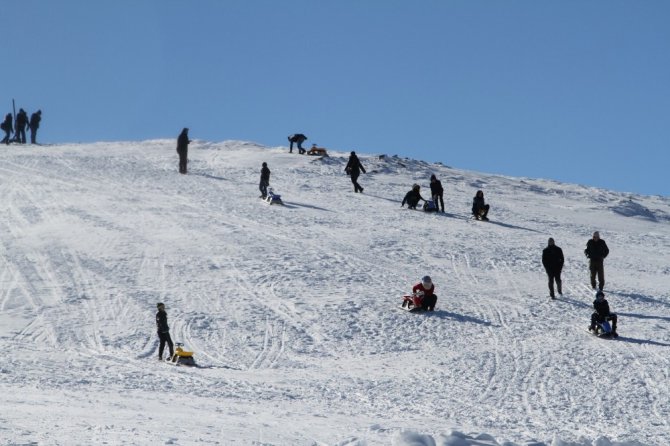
{"type": "Point", "coordinates": [182, 356]}
{"type": "Point", "coordinates": [317, 151]}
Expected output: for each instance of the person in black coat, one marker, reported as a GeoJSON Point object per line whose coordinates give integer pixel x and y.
{"type": "Point", "coordinates": [265, 180]}
{"type": "Point", "coordinates": [163, 331]}
{"type": "Point", "coordinates": [297, 138]}
{"type": "Point", "coordinates": [35, 120]}
{"type": "Point", "coordinates": [437, 192]}
{"type": "Point", "coordinates": [596, 250]}
{"type": "Point", "coordinates": [354, 168]}
{"type": "Point", "coordinates": [552, 260]}
{"type": "Point", "coordinates": [479, 208]}
{"type": "Point", "coordinates": [8, 127]}
{"type": "Point", "coordinates": [182, 150]}
{"type": "Point", "coordinates": [412, 197]}
{"type": "Point", "coordinates": [602, 313]}
{"type": "Point", "coordinates": [21, 124]}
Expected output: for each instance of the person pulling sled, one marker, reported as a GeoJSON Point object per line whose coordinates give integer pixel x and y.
{"type": "Point", "coordinates": [423, 296]}
{"type": "Point", "coordinates": [602, 316]}
{"type": "Point", "coordinates": [265, 180]}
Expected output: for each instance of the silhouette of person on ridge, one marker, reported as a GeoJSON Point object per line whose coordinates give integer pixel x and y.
{"type": "Point", "coordinates": [182, 150]}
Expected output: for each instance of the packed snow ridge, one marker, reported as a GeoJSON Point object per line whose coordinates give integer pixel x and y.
{"type": "Point", "coordinates": [292, 311]}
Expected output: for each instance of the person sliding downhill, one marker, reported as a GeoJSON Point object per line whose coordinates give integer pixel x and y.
{"type": "Point", "coordinates": [423, 296]}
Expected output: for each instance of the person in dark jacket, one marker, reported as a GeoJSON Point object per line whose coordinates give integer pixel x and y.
{"type": "Point", "coordinates": [552, 260]}
{"type": "Point", "coordinates": [297, 138]}
{"type": "Point", "coordinates": [265, 180]}
{"type": "Point", "coordinates": [437, 192]}
{"type": "Point", "coordinates": [163, 331]}
{"type": "Point", "coordinates": [8, 127]}
{"type": "Point", "coordinates": [596, 250]}
{"type": "Point", "coordinates": [182, 150]}
{"type": "Point", "coordinates": [602, 313]}
{"type": "Point", "coordinates": [35, 120]}
{"type": "Point", "coordinates": [412, 197]}
{"type": "Point", "coordinates": [354, 168]}
{"type": "Point", "coordinates": [479, 208]}
{"type": "Point", "coordinates": [21, 124]}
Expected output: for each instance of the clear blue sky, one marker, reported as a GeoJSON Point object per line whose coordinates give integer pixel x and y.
{"type": "Point", "coordinates": [576, 91]}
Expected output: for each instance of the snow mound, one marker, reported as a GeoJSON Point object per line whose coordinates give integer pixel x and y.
{"type": "Point", "coordinates": [630, 208]}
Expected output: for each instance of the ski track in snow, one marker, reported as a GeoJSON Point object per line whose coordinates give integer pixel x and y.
{"type": "Point", "coordinates": [291, 310]}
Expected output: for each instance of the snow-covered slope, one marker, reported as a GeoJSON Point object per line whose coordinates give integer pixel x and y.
{"type": "Point", "coordinates": [291, 311]}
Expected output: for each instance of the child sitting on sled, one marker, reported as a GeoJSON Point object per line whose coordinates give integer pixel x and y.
{"type": "Point", "coordinates": [602, 313]}
{"type": "Point", "coordinates": [423, 295]}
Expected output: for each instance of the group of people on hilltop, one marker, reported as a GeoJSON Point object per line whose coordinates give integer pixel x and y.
{"type": "Point", "coordinates": [9, 126]}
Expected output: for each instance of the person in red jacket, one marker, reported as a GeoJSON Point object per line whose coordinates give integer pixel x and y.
{"type": "Point", "coordinates": [424, 294]}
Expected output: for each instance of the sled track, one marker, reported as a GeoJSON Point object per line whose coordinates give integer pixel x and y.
{"type": "Point", "coordinates": [273, 346]}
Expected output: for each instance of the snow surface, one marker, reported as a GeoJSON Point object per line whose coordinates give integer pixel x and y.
{"type": "Point", "coordinates": [292, 311]}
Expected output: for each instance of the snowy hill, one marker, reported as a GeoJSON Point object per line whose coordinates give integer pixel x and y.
{"type": "Point", "coordinates": [291, 311]}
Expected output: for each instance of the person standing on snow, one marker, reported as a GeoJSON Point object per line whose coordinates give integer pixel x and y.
{"type": "Point", "coordinates": [552, 260]}
{"type": "Point", "coordinates": [8, 127]}
{"type": "Point", "coordinates": [437, 192]}
{"type": "Point", "coordinates": [182, 150]}
{"type": "Point", "coordinates": [21, 123]}
{"type": "Point", "coordinates": [596, 250]}
{"type": "Point", "coordinates": [35, 120]}
{"type": "Point", "coordinates": [265, 180]}
{"type": "Point", "coordinates": [163, 331]}
{"type": "Point", "coordinates": [354, 168]}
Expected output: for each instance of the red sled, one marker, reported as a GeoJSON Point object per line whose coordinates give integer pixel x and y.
{"type": "Point", "coordinates": [412, 303]}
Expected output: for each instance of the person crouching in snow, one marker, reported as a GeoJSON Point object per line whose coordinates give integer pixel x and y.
{"type": "Point", "coordinates": [424, 294]}
{"type": "Point", "coordinates": [480, 209]}
{"type": "Point", "coordinates": [412, 197]}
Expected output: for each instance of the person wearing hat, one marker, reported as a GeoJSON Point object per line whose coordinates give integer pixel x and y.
{"type": "Point", "coordinates": [602, 313]}
{"type": "Point", "coordinates": [182, 150]}
{"type": "Point", "coordinates": [163, 331]}
{"type": "Point", "coordinates": [596, 251]}
{"type": "Point", "coordinates": [424, 294]}
{"type": "Point", "coordinates": [412, 197]}
{"type": "Point", "coordinates": [265, 180]}
{"type": "Point", "coordinates": [353, 169]}
{"type": "Point", "coordinates": [552, 260]}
